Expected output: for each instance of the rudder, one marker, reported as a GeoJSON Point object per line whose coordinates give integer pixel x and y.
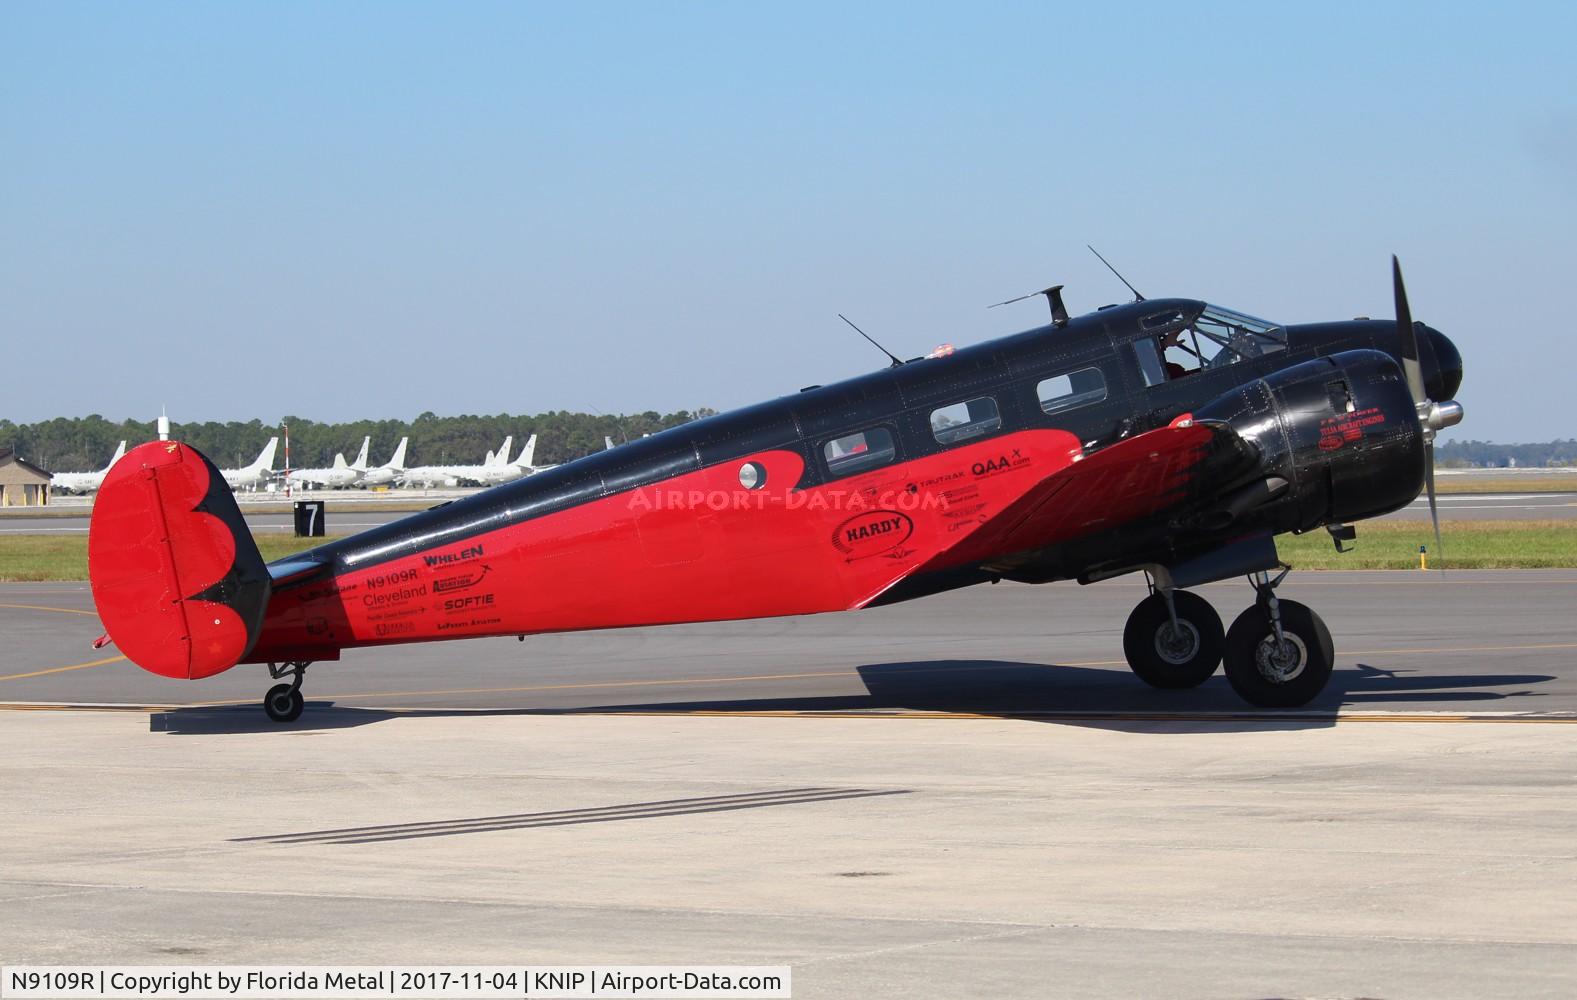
{"type": "Point", "coordinates": [177, 579]}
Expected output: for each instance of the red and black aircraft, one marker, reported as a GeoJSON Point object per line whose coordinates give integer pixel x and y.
{"type": "Point", "coordinates": [1166, 436]}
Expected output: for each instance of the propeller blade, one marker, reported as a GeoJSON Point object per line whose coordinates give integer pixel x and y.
{"type": "Point", "coordinates": [1404, 326]}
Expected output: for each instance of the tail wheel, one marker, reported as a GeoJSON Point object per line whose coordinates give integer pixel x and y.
{"type": "Point", "coordinates": [1285, 674]}
{"type": "Point", "coordinates": [1172, 658]}
{"type": "Point", "coordinates": [284, 703]}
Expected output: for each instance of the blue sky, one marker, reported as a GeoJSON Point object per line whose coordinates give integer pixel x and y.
{"type": "Point", "coordinates": [346, 210]}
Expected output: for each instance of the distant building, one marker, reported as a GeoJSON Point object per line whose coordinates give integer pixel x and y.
{"type": "Point", "coordinates": [22, 484]}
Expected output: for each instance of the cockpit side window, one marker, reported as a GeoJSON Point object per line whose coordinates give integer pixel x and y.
{"type": "Point", "coordinates": [1149, 361]}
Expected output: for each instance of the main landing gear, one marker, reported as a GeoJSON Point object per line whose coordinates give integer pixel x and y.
{"type": "Point", "coordinates": [284, 702]}
{"type": "Point", "coordinates": [1278, 653]}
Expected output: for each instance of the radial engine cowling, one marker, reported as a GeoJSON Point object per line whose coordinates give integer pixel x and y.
{"type": "Point", "coordinates": [1338, 439]}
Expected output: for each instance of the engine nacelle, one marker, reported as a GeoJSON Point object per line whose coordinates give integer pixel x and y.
{"type": "Point", "coordinates": [1341, 432]}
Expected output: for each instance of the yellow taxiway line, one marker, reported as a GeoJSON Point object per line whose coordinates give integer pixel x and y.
{"type": "Point", "coordinates": [40, 607]}
{"type": "Point", "coordinates": [61, 670]}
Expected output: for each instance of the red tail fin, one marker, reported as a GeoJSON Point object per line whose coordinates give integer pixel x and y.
{"type": "Point", "coordinates": [178, 581]}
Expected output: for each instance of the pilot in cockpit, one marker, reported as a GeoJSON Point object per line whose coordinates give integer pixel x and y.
{"type": "Point", "coordinates": [1174, 370]}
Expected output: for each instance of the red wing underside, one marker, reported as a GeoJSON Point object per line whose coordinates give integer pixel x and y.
{"type": "Point", "coordinates": [1131, 480]}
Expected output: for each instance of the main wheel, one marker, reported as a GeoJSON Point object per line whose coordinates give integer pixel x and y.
{"type": "Point", "coordinates": [284, 703]}
{"type": "Point", "coordinates": [1170, 658]}
{"type": "Point", "coordinates": [1285, 675]}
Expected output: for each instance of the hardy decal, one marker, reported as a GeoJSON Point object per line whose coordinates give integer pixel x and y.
{"type": "Point", "coordinates": [871, 533]}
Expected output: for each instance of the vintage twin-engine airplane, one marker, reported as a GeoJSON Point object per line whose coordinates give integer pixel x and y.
{"type": "Point", "coordinates": [1166, 436]}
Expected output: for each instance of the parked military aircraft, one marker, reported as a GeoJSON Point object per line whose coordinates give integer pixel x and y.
{"type": "Point", "coordinates": [458, 475]}
{"type": "Point", "coordinates": [1164, 436]}
{"type": "Point", "coordinates": [338, 476]}
{"type": "Point", "coordinates": [85, 482]}
{"type": "Point", "coordinates": [247, 478]}
{"type": "Point", "coordinates": [390, 471]}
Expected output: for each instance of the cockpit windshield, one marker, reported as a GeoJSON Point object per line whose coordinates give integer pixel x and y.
{"type": "Point", "coordinates": [1216, 338]}
{"type": "Point", "coordinates": [1243, 335]}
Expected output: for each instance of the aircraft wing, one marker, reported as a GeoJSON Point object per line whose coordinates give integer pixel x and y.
{"type": "Point", "coordinates": [1176, 467]}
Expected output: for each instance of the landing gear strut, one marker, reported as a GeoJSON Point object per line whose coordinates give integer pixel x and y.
{"type": "Point", "coordinates": [284, 702]}
{"type": "Point", "coordinates": [1173, 639]}
{"type": "Point", "coordinates": [1279, 653]}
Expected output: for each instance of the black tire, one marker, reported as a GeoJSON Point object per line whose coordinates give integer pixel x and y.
{"type": "Point", "coordinates": [1293, 681]}
{"type": "Point", "coordinates": [284, 703]}
{"type": "Point", "coordinates": [1155, 655]}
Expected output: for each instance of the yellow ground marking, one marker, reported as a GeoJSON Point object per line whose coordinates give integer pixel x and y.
{"type": "Point", "coordinates": [40, 607]}
{"type": "Point", "coordinates": [61, 670]}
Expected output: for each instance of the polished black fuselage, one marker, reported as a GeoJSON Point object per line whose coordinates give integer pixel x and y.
{"type": "Point", "coordinates": [903, 398]}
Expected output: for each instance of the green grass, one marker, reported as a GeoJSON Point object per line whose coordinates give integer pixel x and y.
{"type": "Point", "coordinates": [65, 557]}
{"type": "Point", "coordinates": [1529, 483]}
{"type": "Point", "coordinates": [1468, 545]}
{"type": "Point", "coordinates": [1381, 545]}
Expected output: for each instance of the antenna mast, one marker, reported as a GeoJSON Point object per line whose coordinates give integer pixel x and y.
{"type": "Point", "coordinates": [879, 347]}
{"type": "Point", "coordinates": [1136, 296]}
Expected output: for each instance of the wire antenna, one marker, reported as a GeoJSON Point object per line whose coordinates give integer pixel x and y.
{"type": "Point", "coordinates": [1136, 296]}
{"type": "Point", "coordinates": [879, 347]}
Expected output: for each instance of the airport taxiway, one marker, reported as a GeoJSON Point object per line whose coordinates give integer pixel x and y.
{"type": "Point", "coordinates": [1499, 640]}
{"type": "Point", "coordinates": [967, 795]}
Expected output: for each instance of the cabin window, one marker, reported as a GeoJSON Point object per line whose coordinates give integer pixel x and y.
{"type": "Point", "coordinates": [1064, 392]}
{"type": "Point", "coordinates": [859, 451]}
{"type": "Point", "coordinates": [962, 421]}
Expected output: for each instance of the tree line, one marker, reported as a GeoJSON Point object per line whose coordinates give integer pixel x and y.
{"type": "Point", "coordinates": [76, 444]}
{"type": "Point", "coordinates": [1485, 454]}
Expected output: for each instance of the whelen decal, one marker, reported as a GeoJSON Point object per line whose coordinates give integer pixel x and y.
{"type": "Point", "coordinates": [447, 558]}
{"type": "Point", "coordinates": [872, 533]}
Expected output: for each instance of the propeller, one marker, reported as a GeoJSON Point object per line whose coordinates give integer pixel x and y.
{"type": "Point", "coordinates": [1432, 416]}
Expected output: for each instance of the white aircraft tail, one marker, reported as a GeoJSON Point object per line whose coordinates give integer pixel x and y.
{"type": "Point", "coordinates": [398, 461]}
{"type": "Point", "coordinates": [360, 465]}
{"type": "Point", "coordinates": [607, 442]}
{"type": "Point", "coordinates": [502, 457]}
{"type": "Point", "coordinates": [339, 460]}
{"type": "Point", "coordinates": [116, 457]}
{"type": "Point", "coordinates": [528, 454]}
{"type": "Point", "coordinates": [266, 459]}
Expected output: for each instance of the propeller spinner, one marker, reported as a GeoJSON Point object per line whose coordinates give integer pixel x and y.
{"type": "Point", "coordinates": [1433, 416]}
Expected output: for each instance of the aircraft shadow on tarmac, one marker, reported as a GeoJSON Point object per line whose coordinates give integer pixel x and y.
{"type": "Point", "coordinates": [1083, 696]}
{"type": "Point", "coordinates": [1112, 699]}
